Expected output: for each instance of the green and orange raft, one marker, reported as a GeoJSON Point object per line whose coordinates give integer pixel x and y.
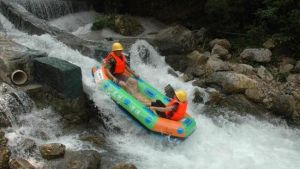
{"type": "Point", "coordinates": [143, 114]}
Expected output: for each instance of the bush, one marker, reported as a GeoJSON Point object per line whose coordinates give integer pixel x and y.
{"type": "Point", "coordinates": [103, 22]}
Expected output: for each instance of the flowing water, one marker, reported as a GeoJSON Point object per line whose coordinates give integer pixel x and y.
{"type": "Point", "coordinates": [245, 143]}
{"type": "Point", "coordinates": [47, 9]}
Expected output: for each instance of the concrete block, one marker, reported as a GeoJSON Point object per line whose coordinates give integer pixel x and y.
{"type": "Point", "coordinates": [60, 75]}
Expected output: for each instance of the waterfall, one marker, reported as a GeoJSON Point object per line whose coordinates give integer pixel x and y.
{"type": "Point", "coordinates": [47, 9]}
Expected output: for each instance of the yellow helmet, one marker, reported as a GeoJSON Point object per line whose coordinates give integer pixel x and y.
{"type": "Point", "coordinates": [117, 46]}
{"type": "Point", "coordinates": [181, 95]}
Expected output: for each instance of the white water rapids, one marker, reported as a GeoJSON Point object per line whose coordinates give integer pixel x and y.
{"type": "Point", "coordinates": [216, 144]}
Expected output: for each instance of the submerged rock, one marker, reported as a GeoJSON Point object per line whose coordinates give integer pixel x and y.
{"type": "Point", "coordinates": [52, 150]}
{"type": "Point", "coordinates": [124, 166]}
{"type": "Point", "coordinates": [20, 163]}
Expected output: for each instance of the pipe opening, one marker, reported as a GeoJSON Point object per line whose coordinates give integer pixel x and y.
{"type": "Point", "coordinates": [19, 77]}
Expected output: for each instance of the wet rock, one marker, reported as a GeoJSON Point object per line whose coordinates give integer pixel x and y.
{"type": "Point", "coordinates": [186, 77]}
{"type": "Point", "coordinates": [128, 26]}
{"type": "Point", "coordinates": [243, 69]}
{"type": "Point", "coordinates": [294, 78]}
{"type": "Point", "coordinates": [5, 88]}
{"type": "Point", "coordinates": [240, 104]}
{"type": "Point", "coordinates": [254, 94]}
{"type": "Point", "coordinates": [257, 55]}
{"type": "Point", "coordinates": [222, 42]}
{"type": "Point", "coordinates": [269, 44]}
{"type": "Point", "coordinates": [178, 62]}
{"type": "Point", "coordinates": [4, 151]}
{"type": "Point", "coordinates": [177, 40]}
{"type": "Point", "coordinates": [281, 105]}
{"type": "Point", "coordinates": [200, 83]}
{"type": "Point", "coordinates": [124, 166]}
{"type": "Point", "coordinates": [214, 97]}
{"type": "Point", "coordinates": [297, 67]}
{"type": "Point", "coordinates": [172, 72]}
{"type": "Point", "coordinates": [232, 82]}
{"type": "Point", "coordinates": [220, 50]}
{"type": "Point", "coordinates": [144, 54]}
{"type": "Point", "coordinates": [93, 138]}
{"type": "Point", "coordinates": [264, 74]}
{"type": "Point", "coordinates": [285, 68]}
{"type": "Point", "coordinates": [11, 107]}
{"type": "Point", "coordinates": [20, 163]}
{"type": "Point", "coordinates": [4, 120]}
{"type": "Point", "coordinates": [84, 159]}
{"type": "Point", "coordinates": [198, 96]}
{"type": "Point", "coordinates": [195, 70]}
{"type": "Point", "coordinates": [52, 151]}
{"type": "Point", "coordinates": [29, 145]}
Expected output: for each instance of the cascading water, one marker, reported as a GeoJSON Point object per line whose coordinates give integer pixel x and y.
{"type": "Point", "coordinates": [216, 143]}
{"type": "Point", "coordinates": [47, 9]}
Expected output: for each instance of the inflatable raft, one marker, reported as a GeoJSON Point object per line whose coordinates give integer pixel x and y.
{"type": "Point", "coordinates": [143, 114]}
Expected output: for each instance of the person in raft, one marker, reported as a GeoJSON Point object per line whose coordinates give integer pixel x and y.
{"type": "Point", "coordinates": [115, 65]}
{"type": "Point", "coordinates": [175, 110]}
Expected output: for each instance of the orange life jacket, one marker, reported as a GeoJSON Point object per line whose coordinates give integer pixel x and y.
{"type": "Point", "coordinates": [120, 62]}
{"type": "Point", "coordinates": [179, 113]}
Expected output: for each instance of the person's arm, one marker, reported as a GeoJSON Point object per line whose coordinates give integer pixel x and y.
{"type": "Point", "coordinates": [131, 71]}
{"type": "Point", "coordinates": [108, 73]}
{"type": "Point", "coordinates": [162, 109]}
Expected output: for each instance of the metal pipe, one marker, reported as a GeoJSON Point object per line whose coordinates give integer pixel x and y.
{"type": "Point", "coordinates": [19, 77]}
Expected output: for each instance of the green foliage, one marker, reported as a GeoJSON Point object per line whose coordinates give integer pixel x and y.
{"type": "Point", "coordinates": [280, 19]}
{"type": "Point", "coordinates": [103, 22]}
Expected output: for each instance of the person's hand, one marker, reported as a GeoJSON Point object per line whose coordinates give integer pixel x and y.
{"type": "Point", "coordinates": [115, 80]}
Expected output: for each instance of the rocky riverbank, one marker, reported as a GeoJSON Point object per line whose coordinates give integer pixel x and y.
{"type": "Point", "coordinates": [253, 77]}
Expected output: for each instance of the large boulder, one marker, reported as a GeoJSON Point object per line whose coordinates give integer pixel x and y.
{"type": "Point", "coordinates": [20, 163]}
{"type": "Point", "coordinates": [243, 69]}
{"type": "Point", "coordinates": [127, 26]}
{"type": "Point", "coordinates": [232, 82]}
{"type": "Point", "coordinates": [257, 55]}
{"type": "Point", "coordinates": [178, 40]}
{"type": "Point", "coordinates": [221, 42]}
{"type": "Point", "coordinates": [215, 64]}
{"type": "Point", "coordinates": [52, 150]}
